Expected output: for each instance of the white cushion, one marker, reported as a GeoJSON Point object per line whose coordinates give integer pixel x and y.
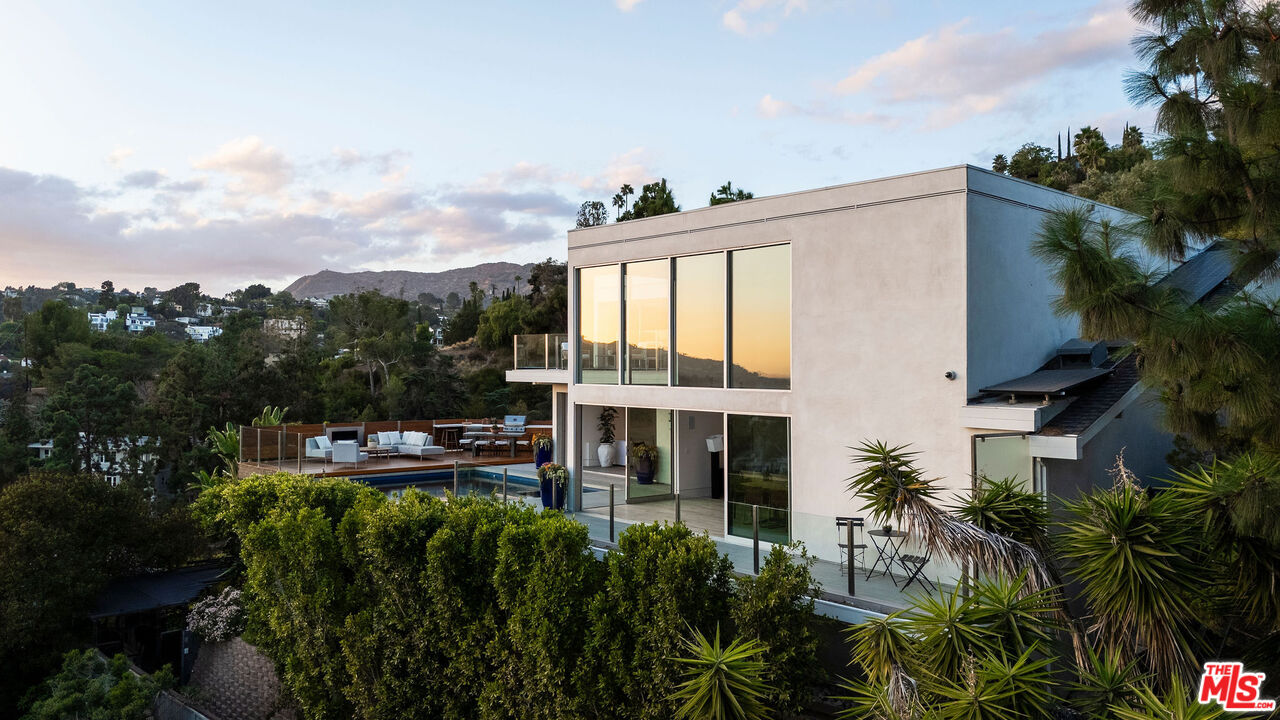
{"type": "Point", "coordinates": [388, 438]}
{"type": "Point", "coordinates": [322, 442]}
{"type": "Point", "coordinates": [413, 438]}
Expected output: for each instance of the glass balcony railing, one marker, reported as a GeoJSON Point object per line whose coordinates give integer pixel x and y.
{"type": "Point", "coordinates": [542, 352]}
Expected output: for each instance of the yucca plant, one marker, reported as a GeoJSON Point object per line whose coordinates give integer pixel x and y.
{"type": "Point", "coordinates": [894, 489]}
{"type": "Point", "coordinates": [1138, 558]}
{"type": "Point", "coordinates": [1238, 505]}
{"type": "Point", "coordinates": [885, 651]}
{"type": "Point", "coordinates": [1106, 682]}
{"type": "Point", "coordinates": [1006, 508]}
{"type": "Point", "coordinates": [996, 687]}
{"type": "Point", "coordinates": [1176, 703]}
{"type": "Point", "coordinates": [722, 683]}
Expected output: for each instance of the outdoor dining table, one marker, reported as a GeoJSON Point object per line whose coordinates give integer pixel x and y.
{"type": "Point", "coordinates": [888, 550]}
{"type": "Point", "coordinates": [492, 434]}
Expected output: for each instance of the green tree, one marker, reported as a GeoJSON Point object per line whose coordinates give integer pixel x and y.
{"type": "Point", "coordinates": [53, 324]}
{"type": "Point", "coordinates": [16, 432]}
{"type": "Point", "coordinates": [1000, 164]}
{"type": "Point", "coordinates": [107, 296]}
{"type": "Point", "coordinates": [464, 323]}
{"type": "Point", "coordinates": [62, 538]}
{"type": "Point", "coordinates": [95, 415]}
{"type": "Point", "coordinates": [727, 193]}
{"type": "Point", "coordinates": [1027, 161]}
{"type": "Point", "coordinates": [503, 320]}
{"type": "Point", "coordinates": [655, 198]}
{"type": "Point", "coordinates": [453, 300]}
{"type": "Point", "coordinates": [185, 296]}
{"type": "Point", "coordinates": [1091, 149]}
{"type": "Point", "coordinates": [621, 200]}
{"type": "Point", "coordinates": [375, 328]}
{"type": "Point", "coordinates": [89, 686]}
{"type": "Point", "coordinates": [11, 308]}
{"type": "Point", "coordinates": [592, 213]}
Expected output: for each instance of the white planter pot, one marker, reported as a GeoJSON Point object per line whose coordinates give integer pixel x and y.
{"type": "Point", "coordinates": [605, 453]}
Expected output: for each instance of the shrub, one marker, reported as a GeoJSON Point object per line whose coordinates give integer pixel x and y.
{"type": "Point", "coordinates": [776, 609]}
{"type": "Point", "coordinates": [217, 618]}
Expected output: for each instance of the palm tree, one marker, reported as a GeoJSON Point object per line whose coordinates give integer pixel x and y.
{"type": "Point", "coordinates": [722, 683]}
{"type": "Point", "coordinates": [726, 193]}
{"type": "Point", "coordinates": [896, 490]}
{"type": "Point", "coordinates": [1091, 149]}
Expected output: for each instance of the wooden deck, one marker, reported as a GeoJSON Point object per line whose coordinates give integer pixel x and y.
{"type": "Point", "coordinates": [382, 465]}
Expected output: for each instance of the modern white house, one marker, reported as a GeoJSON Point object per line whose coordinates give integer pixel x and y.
{"type": "Point", "coordinates": [100, 321]}
{"type": "Point", "coordinates": [203, 333]}
{"type": "Point", "coordinates": [753, 343]}
{"type": "Point", "coordinates": [123, 457]}
{"type": "Point", "coordinates": [138, 322]}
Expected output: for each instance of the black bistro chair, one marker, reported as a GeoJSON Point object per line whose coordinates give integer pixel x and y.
{"type": "Point", "coordinates": [914, 564]}
{"type": "Point", "coordinates": [848, 555]}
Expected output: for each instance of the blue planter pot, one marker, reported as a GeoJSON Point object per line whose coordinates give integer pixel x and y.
{"type": "Point", "coordinates": [545, 491]}
{"type": "Point", "coordinates": [644, 472]}
{"type": "Point", "coordinates": [541, 457]}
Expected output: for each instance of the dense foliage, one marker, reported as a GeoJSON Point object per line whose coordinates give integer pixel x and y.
{"type": "Point", "coordinates": [93, 688]}
{"type": "Point", "coordinates": [1166, 579]}
{"type": "Point", "coordinates": [62, 538]}
{"type": "Point", "coordinates": [475, 609]}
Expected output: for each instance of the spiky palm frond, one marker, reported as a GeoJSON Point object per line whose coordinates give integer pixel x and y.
{"type": "Point", "coordinates": [1238, 503]}
{"type": "Point", "coordinates": [1106, 681]}
{"type": "Point", "coordinates": [896, 490]}
{"type": "Point", "coordinates": [996, 687]}
{"type": "Point", "coordinates": [1006, 508]}
{"type": "Point", "coordinates": [1138, 557]}
{"type": "Point", "coordinates": [1016, 620]}
{"type": "Point", "coordinates": [722, 683]}
{"type": "Point", "coordinates": [1175, 703]}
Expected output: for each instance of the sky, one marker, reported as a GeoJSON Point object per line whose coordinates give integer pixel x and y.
{"type": "Point", "coordinates": [156, 143]}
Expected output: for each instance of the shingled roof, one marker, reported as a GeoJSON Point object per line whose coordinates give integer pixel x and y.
{"type": "Point", "coordinates": [1204, 278]}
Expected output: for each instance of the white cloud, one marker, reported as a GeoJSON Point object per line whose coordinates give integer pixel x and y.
{"type": "Point", "coordinates": [257, 168]}
{"type": "Point", "coordinates": [163, 230]}
{"type": "Point", "coordinates": [741, 18]}
{"type": "Point", "coordinates": [770, 107]}
{"type": "Point", "coordinates": [627, 5]}
{"type": "Point", "coordinates": [118, 155]}
{"type": "Point", "coordinates": [955, 72]}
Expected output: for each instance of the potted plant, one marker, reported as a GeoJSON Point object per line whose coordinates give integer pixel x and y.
{"type": "Point", "coordinates": [553, 480]}
{"type": "Point", "coordinates": [644, 458]}
{"type": "Point", "coordinates": [542, 446]}
{"type": "Point", "coordinates": [606, 450]}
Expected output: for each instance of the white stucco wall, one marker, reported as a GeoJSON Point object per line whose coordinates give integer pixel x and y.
{"type": "Point", "coordinates": [895, 282]}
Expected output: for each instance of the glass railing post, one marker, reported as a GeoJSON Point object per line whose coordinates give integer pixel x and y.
{"type": "Point", "coordinates": [610, 512]}
{"type": "Point", "coordinates": [677, 508]}
{"type": "Point", "coordinates": [259, 435]}
{"type": "Point", "coordinates": [455, 478]}
{"type": "Point", "coordinates": [515, 352]}
{"type": "Point", "coordinates": [546, 351]}
{"type": "Point", "coordinates": [755, 539]}
{"type": "Point", "coordinates": [504, 486]}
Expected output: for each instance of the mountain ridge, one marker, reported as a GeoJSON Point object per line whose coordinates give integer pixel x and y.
{"type": "Point", "coordinates": [408, 284]}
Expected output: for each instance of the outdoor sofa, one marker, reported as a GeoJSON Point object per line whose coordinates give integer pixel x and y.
{"type": "Point", "coordinates": [412, 443]}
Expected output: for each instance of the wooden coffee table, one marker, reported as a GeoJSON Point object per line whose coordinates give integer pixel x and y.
{"type": "Point", "coordinates": [374, 451]}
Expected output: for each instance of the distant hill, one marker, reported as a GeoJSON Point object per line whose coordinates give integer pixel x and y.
{"type": "Point", "coordinates": [407, 284]}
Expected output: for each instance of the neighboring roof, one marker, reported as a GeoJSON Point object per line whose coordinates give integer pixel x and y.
{"type": "Point", "coordinates": [154, 592]}
{"type": "Point", "coordinates": [1204, 278]}
{"type": "Point", "coordinates": [1092, 404]}
{"type": "Point", "coordinates": [1056, 381]}
{"type": "Point", "coordinates": [1201, 274]}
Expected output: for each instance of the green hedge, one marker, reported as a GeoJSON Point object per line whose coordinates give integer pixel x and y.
{"type": "Point", "coordinates": [476, 609]}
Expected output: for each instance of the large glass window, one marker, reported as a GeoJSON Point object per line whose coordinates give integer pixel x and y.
{"type": "Point", "coordinates": [758, 454]}
{"type": "Point", "coordinates": [648, 329]}
{"type": "Point", "coordinates": [599, 315]}
{"type": "Point", "coordinates": [649, 474]}
{"type": "Point", "coordinates": [760, 325]}
{"type": "Point", "coordinates": [699, 299]}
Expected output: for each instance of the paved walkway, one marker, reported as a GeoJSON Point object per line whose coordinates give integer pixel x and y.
{"type": "Point", "coordinates": [234, 681]}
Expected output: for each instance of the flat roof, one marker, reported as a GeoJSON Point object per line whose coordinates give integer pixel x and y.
{"type": "Point", "coordinates": [1048, 382]}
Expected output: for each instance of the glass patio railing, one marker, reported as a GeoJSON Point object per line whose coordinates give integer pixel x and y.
{"type": "Point", "coordinates": [549, 351]}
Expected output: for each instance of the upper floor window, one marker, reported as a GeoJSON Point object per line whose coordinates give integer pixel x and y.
{"type": "Point", "coordinates": [599, 320]}
{"type": "Point", "coordinates": [760, 318]}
